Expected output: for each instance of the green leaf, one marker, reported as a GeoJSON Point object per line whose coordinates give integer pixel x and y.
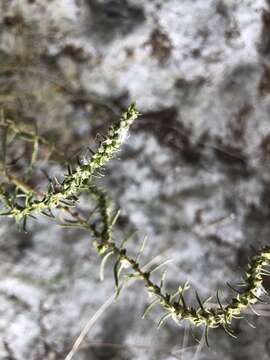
{"type": "Point", "coordinates": [6, 213]}
{"type": "Point", "coordinates": [199, 302]}
{"type": "Point", "coordinates": [141, 248]}
{"type": "Point", "coordinates": [24, 224]}
{"type": "Point", "coordinates": [229, 331]}
{"type": "Point", "coordinates": [206, 335]}
{"type": "Point", "coordinates": [47, 215]}
{"type": "Point", "coordinates": [149, 307]}
{"type": "Point", "coordinates": [115, 273]}
{"type": "Point", "coordinates": [182, 300]}
{"type": "Point", "coordinates": [4, 148]}
{"type": "Point", "coordinates": [127, 238]}
{"type": "Point", "coordinates": [34, 153]}
{"type": "Point", "coordinates": [115, 218]}
{"type": "Point", "coordinates": [163, 276]}
{"type": "Point", "coordinates": [103, 263]}
{"type": "Point", "coordinates": [163, 319]}
{"type": "Point", "coordinates": [70, 226]}
{"type": "Point", "coordinates": [218, 299]}
{"type": "Point", "coordinates": [231, 287]}
{"type": "Point", "coordinates": [75, 222]}
{"type": "Point", "coordinates": [160, 265]}
{"type": "Point", "coordinates": [10, 135]}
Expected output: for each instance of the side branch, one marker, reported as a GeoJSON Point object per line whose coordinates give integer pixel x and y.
{"type": "Point", "coordinates": [80, 178]}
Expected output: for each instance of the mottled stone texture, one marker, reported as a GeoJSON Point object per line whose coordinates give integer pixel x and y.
{"type": "Point", "coordinates": [194, 174]}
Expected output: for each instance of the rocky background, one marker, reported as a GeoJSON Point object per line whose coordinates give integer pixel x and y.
{"type": "Point", "coordinates": [194, 174]}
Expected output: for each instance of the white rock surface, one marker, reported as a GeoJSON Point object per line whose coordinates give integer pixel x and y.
{"type": "Point", "coordinates": [193, 174]}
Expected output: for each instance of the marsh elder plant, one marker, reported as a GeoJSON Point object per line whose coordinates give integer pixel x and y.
{"type": "Point", "coordinates": [20, 201]}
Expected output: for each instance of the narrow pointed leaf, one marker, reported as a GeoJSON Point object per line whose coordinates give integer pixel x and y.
{"type": "Point", "coordinates": [229, 331]}
{"type": "Point", "coordinates": [115, 273]}
{"type": "Point", "coordinates": [103, 263]}
{"type": "Point", "coordinates": [218, 299]}
{"type": "Point", "coordinates": [206, 336]}
{"type": "Point", "coordinates": [163, 319]}
{"type": "Point", "coordinates": [231, 287]}
{"type": "Point", "coordinates": [141, 248]}
{"type": "Point", "coordinates": [199, 302]}
{"type": "Point", "coordinates": [115, 218]}
{"type": "Point", "coordinates": [160, 265]}
{"type": "Point", "coordinates": [149, 307]}
{"type": "Point", "coordinates": [127, 238]}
